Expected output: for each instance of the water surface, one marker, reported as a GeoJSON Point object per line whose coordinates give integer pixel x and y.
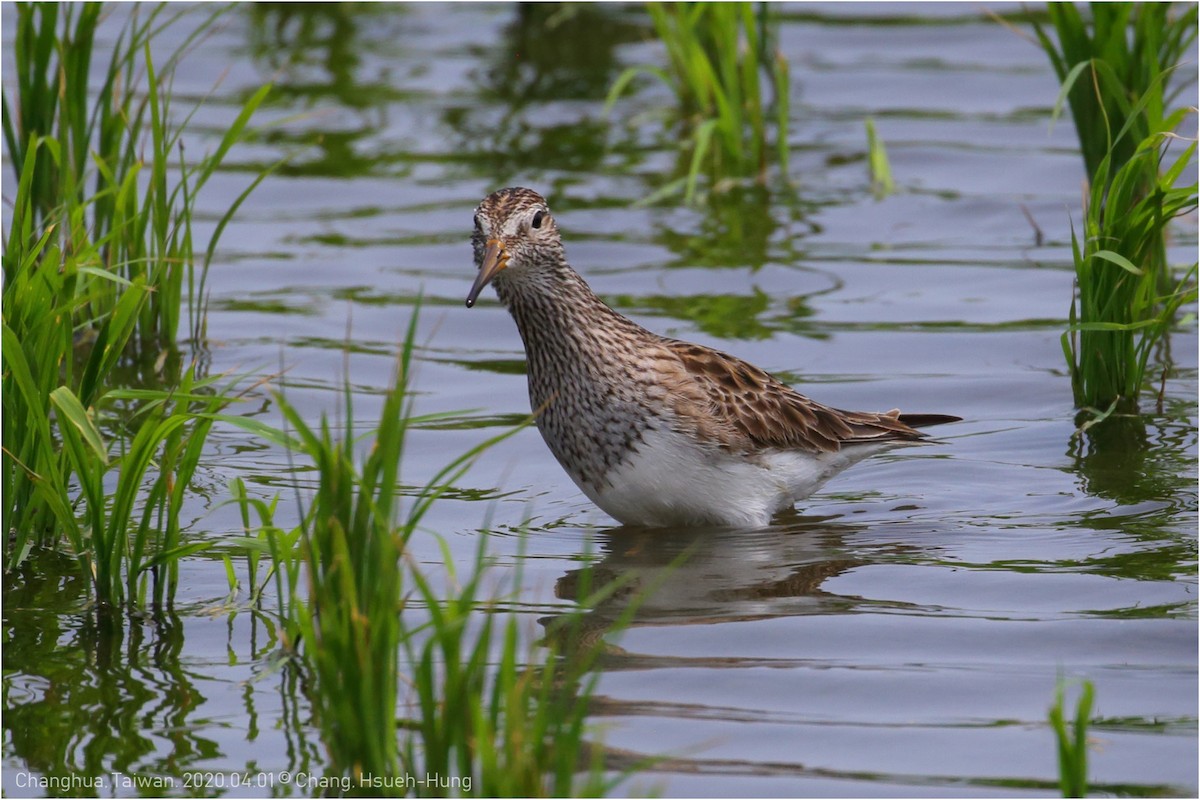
{"type": "Point", "coordinates": [901, 634]}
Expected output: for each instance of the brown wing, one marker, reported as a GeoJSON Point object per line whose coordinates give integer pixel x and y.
{"type": "Point", "coordinates": [746, 408]}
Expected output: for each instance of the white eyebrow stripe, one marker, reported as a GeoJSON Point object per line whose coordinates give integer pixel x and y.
{"type": "Point", "coordinates": [516, 224]}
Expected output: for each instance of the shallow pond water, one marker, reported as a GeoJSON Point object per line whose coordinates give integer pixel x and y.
{"type": "Point", "coordinates": [901, 634]}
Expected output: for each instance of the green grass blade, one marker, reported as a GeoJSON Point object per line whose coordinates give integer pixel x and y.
{"type": "Point", "coordinates": [72, 411]}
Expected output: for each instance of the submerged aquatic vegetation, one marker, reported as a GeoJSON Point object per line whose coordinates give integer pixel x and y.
{"type": "Point", "coordinates": [95, 255]}
{"type": "Point", "coordinates": [1116, 75]}
{"type": "Point", "coordinates": [720, 61]}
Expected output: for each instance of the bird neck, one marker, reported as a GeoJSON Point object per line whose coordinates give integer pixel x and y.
{"type": "Point", "coordinates": [585, 367]}
{"type": "Point", "coordinates": [555, 305]}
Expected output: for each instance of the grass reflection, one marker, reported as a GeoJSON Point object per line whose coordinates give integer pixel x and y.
{"type": "Point", "coordinates": [94, 698]}
{"type": "Point", "coordinates": [1134, 459]}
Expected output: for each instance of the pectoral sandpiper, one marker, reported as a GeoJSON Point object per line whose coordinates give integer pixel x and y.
{"type": "Point", "coordinates": [657, 431]}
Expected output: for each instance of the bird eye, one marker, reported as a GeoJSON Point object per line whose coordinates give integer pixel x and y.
{"type": "Point", "coordinates": [537, 219]}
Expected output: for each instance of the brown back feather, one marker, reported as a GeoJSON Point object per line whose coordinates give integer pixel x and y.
{"type": "Point", "coordinates": [752, 410]}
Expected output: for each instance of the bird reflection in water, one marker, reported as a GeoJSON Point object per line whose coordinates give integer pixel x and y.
{"type": "Point", "coordinates": [670, 577]}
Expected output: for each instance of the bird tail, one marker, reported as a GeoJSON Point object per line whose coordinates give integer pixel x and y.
{"type": "Point", "coordinates": [925, 420]}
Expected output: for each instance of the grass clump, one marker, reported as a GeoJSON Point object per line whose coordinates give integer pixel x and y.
{"type": "Point", "coordinates": [1120, 313]}
{"type": "Point", "coordinates": [1115, 71]}
{"type": "Point", "coordinates": [720, 62]}
{"type": "Point", "coordinates": [56, 460]}
{"type": "Point", "coordinates": [363, 619]}
{"type": "Point", "coordinates": [1116, 76]}
{"type": "Point", "coordinates": [350, 624]}
{"type": "Point", "coordinates": [498, 729]}
{"type": "Point", "coordinates": [98, 244]}
{"type": "Point", "coordinates": [1072, 745]}
{"type": "Point", "coordinates": [338, 577]}
{"type": "Point", "coordinates": [112, 185]}
{"type": "Point", "coordinates": [128, 533]}
{"type": "Point", "coordinates": [76, 464]}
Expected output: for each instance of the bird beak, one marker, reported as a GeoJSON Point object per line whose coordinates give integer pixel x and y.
{"type": "Point", "coordinates": [495, 258]}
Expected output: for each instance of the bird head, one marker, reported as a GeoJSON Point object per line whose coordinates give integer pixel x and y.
{"type": "Point", "coordinates": [514, 237]}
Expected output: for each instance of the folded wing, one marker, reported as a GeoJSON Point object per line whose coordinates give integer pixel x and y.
{"type": "Point", "coordinates": [752, 410]}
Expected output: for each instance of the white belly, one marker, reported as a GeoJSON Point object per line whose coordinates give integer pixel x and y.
{"type": "Point", "coordinates": [673, 480]}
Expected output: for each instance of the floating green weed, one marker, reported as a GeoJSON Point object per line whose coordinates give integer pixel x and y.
{"type": "Point", "coordinates": [719, 58]}
{"type": "Point", "coordinates": [1072, 745]}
